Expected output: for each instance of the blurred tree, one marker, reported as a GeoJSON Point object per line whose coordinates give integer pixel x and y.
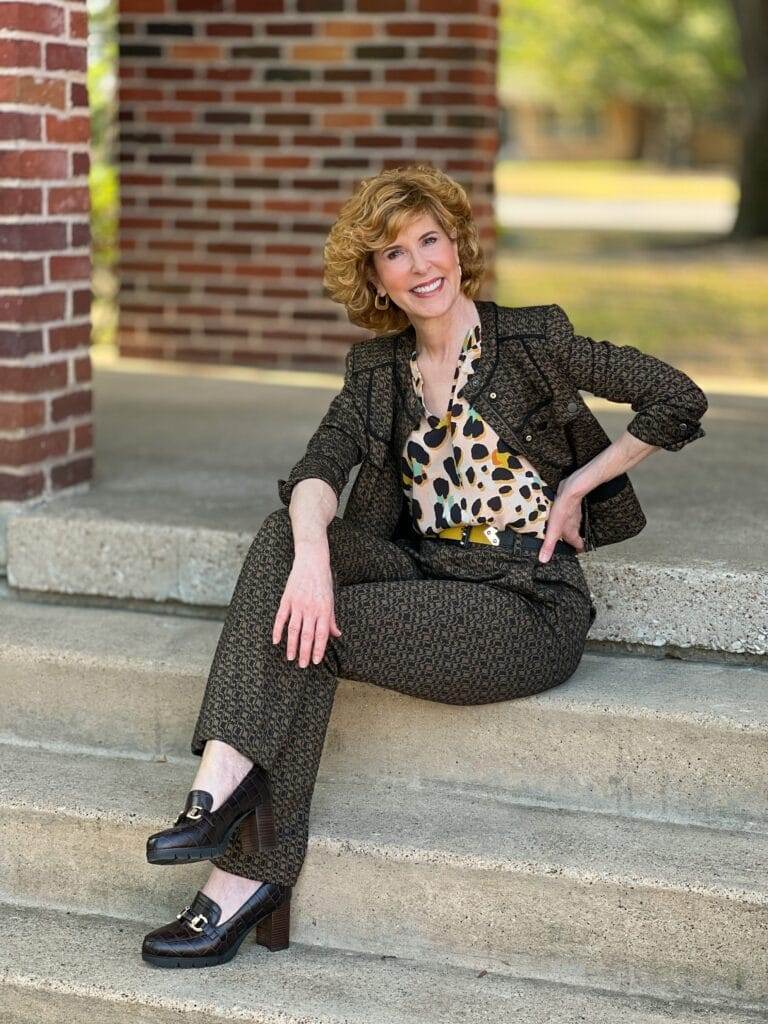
{"type": "Point", "coordinates": [102, 66]}
{"type": "Point", "coordinates": [670, 58]}
{"type": "Point", "coordinates": [103, 177]}
{"type": "Point", "coordinates": [752, 216]}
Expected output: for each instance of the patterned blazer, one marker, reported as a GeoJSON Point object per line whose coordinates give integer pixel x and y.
{"type": "Point", "coordinates": [526, 386]}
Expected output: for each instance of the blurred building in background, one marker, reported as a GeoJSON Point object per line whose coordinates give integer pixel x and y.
{"type": "Point", "coordinates": [535, 123]}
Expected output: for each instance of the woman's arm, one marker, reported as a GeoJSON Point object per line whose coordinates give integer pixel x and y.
{"type": "Point", "coordinates": [306, 608]}
{"type": "Point", "coordinates": [312, 507]}
{"type": "Point", "coordinates": [312, 490]}
{"type": "Point", "coordinates": [337, 445]}
{"type": "Point", "coordinates": [624, 453]}
{"type": "Point", "coordinates": [667, 403]}
{"type": "Point", "coordinates": [564, 517]}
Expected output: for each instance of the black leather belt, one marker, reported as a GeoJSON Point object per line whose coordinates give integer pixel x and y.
{"type": "Point", "coordinates": [510, 539]}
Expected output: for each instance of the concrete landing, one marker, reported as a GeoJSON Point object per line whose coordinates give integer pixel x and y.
{"type": "Point", "coordinates": [187, 463]}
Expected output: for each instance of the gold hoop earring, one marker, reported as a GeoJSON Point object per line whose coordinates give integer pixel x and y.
{"type": "Point", "coordinates": [377, 304]}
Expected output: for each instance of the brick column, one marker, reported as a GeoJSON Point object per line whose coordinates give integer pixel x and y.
{"type": "Point", "coordinates": [45, 397]}
{"type": "Point", "coordinates": [244, 126]}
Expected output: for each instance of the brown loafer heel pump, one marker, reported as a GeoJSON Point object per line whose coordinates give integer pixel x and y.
{"type": "Point", "coordinates": [202, 834]}
{"type": "Point", "coordinates": [196, 939]}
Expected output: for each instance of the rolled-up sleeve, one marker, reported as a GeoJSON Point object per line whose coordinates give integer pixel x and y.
{"type": "Point", "coordinates": [337, 445]}
{"type": "Point", "coordinates": [667, 403]}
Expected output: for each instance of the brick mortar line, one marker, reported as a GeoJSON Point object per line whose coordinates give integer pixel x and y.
{"type": "Point", "coordinates": [412, 105]}
{"type": "Point", "coordinates": [226, 87]}
{"type": "Point", "coordinates": [224, 186]}
{"type": "Point", "coordinates": [47, 146]}
{"type": "Point", "coordinates": [40, 183]}
{"type": "Point", "coordinates": [38, 70]}
{"type": "Point", "coordinates": [61, 425]}
{"type": "Point", "coordinates": [141, 166]}
{"type": "Point", "coordinates": [292, 16]}
{"type": "Point", "coordinates": [285, 133]}
{"type": "Point", "coordinates": [29, 257]}
{"type": "Point", "coordinates": [39, 467]}
{"type": "Point", "coordinates": [57, 287]}
{"type": "Point", "coordinates": [412, 62]}
{"type": "Point", "coordinates": [12, 107]}
{"type": "Point", "coordinates": [25, 35]}
{"type": "Point", "coordinates": [308, 106]}
{"type": "Point", "coordinates": [67, 321]}
{"type": "Point", "coordinates": [26, 220]}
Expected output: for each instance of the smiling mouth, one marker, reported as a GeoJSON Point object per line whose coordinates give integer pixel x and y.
{"type": "Point", "coordinates": [431, 288]}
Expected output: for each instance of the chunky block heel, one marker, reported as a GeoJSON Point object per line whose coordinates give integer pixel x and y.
{"type": "Point", "coordinates": [273, 931]}
{"type": "Point", "coordinates": [258, 830]}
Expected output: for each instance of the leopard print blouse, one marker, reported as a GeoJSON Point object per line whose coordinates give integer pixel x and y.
{"type": "Point", "coordinates": [456, 469]}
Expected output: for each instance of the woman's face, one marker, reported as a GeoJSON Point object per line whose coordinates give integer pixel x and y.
{"type": "Point", "coordinates": [422, 254]}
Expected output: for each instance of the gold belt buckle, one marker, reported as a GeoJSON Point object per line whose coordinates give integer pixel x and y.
{"type": "Point", "coordinates": [191, 812]}
{"type": "Point", "coordinates": [492, 533]}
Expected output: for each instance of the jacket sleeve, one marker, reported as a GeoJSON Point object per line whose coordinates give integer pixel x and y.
{"type": "Point", "coordinates": [337, 445]}
{"type": "Point", "coordinates": [667, 403]}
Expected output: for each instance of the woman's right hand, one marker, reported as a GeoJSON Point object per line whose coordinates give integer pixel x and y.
{"type": "Point", "coordinates": [307, 606]}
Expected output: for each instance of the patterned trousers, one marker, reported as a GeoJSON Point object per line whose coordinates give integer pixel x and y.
{"type": "Point", "coordinates": [459, 625]}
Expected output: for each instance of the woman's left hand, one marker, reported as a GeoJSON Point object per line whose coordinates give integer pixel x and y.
{"type": "Point", "coordinates": [563, 522]}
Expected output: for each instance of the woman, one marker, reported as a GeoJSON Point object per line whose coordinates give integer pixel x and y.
{"type": "Point", "coordinates": [483, 475]}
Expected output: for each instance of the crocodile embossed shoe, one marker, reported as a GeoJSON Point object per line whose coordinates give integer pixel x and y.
{"type": "Point", "coordinates": [201, 834]}
{"type": "Point", "coordinates": [196, 939]}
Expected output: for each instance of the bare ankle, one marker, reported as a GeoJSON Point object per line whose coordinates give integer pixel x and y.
{"type": "Point", "coordinates": [229, 891]}
{"type": "Point", "coordinates": [221, 770]}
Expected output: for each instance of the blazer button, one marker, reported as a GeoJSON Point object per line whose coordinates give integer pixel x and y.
{"type": "Point", "coordinates": [683, 426]}
{"type": "Point", "coordinates": [573, 406]}
{"type": "Point", "coordinates": [492, 394]}
{"type": "Point", "coordinates": [528, 437]}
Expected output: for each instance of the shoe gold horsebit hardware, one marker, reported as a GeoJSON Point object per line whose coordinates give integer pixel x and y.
{"type": "Point", "coordinates": [190, 813]}
{"type": "Point", "coordinates": [194, 924]}
{"type": "Point", "coordinates": [492, 533]}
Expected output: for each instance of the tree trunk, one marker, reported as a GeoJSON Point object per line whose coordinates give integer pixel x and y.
{"type": "Point", "coordinates": [752, 217]}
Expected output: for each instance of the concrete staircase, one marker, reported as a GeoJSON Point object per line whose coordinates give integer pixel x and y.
{"type": "Point", "coordinates": [597, 852]}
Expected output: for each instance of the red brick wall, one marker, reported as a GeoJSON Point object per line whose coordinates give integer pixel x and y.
{"type": "Point", "coordinates": [244, 125]}
{"type": "Point", "coordinates": [45, 372]}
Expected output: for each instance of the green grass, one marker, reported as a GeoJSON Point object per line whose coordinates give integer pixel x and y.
{"type": "Point", "coordinates": [703, 309]}
{"type": "Point", "coordinates": [697, 301]}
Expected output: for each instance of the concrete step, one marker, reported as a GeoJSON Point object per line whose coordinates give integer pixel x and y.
{"type": "Point", "coordinates": [673, 740]}
{"type": "Point", "coordinates": [433, 870]}
{"type": "Point", "coordinates": [89, 545]}
{"type": "Point", "coordinates": [61, 967]}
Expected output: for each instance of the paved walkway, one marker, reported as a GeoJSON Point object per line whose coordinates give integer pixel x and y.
{"type": "Point", "coordinates": [658, 215]}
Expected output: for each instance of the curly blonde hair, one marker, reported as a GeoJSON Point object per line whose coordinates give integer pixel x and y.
{"type": "Point", "coordinates": [371, 219]}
